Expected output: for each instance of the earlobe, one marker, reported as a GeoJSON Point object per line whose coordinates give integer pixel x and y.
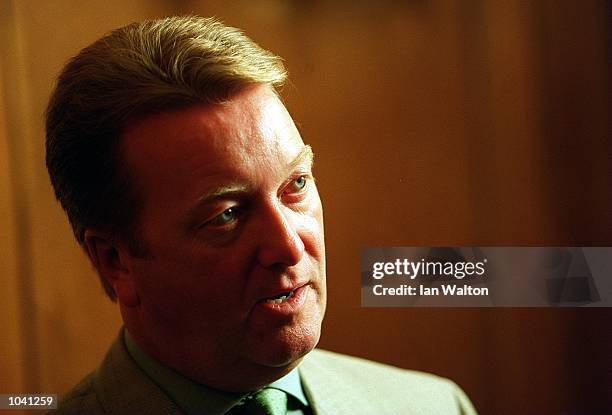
{"type": "Point", "coordinates": [112, 264]}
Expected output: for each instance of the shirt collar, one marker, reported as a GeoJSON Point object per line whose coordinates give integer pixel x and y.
{"type": "Point", "coordinates": [291, 384]}
{"type": "Point", "coordinates": [191, 396]}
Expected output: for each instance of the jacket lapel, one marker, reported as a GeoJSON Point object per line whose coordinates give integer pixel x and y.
{"type": "Point", "coordinates": [329, 392]}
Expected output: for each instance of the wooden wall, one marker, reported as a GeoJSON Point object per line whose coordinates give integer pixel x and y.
{"type": "Point", "coordinates": [433, 122]}
{"type": "Point", "coordinates": [58, 323]}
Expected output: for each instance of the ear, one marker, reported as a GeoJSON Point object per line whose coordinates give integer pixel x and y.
{"type": "Point", "coordinates": [112, 263]}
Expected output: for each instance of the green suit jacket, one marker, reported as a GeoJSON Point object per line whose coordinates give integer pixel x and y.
{"type": "Point", "coordinates": [334, 384]}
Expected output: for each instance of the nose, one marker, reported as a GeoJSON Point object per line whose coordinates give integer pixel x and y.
{"type": "Point", "coordinates": [280, 242]}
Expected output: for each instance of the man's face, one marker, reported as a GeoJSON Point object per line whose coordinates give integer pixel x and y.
{"type": "Point", "coordinates": [234, 278]}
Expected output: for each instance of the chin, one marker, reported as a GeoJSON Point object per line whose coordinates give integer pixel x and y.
{"type": "Point", "coordinates": [286, 349]}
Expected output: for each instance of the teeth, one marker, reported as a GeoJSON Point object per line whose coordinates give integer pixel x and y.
{"type": "Point", "coordinates": [279, 299]}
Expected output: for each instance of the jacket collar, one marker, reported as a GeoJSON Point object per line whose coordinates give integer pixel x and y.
{"type": "Point", "coordinates": [122, 387]}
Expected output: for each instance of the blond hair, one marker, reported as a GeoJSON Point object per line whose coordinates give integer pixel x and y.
{"type": "Point", "coordinates": [133, 72]}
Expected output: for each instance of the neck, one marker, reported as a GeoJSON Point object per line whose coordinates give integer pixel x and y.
{"type": "Point", "coordinates": [226, 375]}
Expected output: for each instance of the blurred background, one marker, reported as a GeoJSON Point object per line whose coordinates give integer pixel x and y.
{"type": "Point", "coordinates": [435, 123]}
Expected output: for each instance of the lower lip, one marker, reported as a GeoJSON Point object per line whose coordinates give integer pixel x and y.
{"type": "Point", "coordinates": [291, 305]}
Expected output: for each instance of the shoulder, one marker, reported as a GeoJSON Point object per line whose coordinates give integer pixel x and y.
{"type": "Point", "coordinates": [118, 386]}
{"type": "Point", "coordinates": [80, 399]}
{"type": "Point", "coordinates": [376, 375]}
{"type": "Point", "coordinates": [389, 387]}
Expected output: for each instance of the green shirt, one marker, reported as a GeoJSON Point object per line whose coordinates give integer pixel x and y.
{"type": "Point", "coordinates": [193, 397]}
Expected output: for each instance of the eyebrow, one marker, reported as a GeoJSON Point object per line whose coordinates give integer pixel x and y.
{"type": "Point", "coordinates": [304, 157]}
{"type": "Point", "coordinates": [223, 191]}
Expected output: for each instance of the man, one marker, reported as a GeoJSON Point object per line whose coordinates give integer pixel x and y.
{"type": "Point", "coordinates": [189, 187]}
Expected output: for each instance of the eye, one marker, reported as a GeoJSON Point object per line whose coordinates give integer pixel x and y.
{"type": "Point", "coordinates": [225, 217]}
{"type": "Point", "coordinates": [299, 183]}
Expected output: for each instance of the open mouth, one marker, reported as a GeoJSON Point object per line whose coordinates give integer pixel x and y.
{"type": "Point", "coordinates": [281, 298]}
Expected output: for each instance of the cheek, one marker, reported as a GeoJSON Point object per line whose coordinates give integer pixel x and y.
{"type": "Point", "coordinates": [174, 289]}
{"type": "Point", "coordinates": [313, 229]}
{"type": "Point", "coordinates": [313, 237]}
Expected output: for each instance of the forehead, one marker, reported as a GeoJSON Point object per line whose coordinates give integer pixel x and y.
{"type": "Point", "coordinates": [184, 151]}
